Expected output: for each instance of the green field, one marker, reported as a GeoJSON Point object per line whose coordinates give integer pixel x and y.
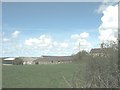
{"type": "Point", "coordinates": [38, 76]}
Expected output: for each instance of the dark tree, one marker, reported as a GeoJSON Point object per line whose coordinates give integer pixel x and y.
{"type": "Point", "coordinates": [18, 61]}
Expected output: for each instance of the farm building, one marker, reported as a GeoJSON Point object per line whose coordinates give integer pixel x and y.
{"type": "Point", "coordinates": [96, 51]}
{"type": "Point", "coordinates": [28, 60]}
{"type": "Point", "coordinates": [37, 60]}
{"type": "Point", "coordinates": [100, 51]}
{"type": "Point", "coordinates": [53, 60]}
{"type": "Point", "coordinates": [8, 61]}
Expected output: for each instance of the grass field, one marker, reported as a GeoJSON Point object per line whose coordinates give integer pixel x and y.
{"type": "Point", "coordinates": [38, 76]}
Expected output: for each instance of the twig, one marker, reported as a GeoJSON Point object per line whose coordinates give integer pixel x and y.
{"type": "Point", "coordinates": [102, 81]}
{"type": "Point", "coordinates": [67, 82]}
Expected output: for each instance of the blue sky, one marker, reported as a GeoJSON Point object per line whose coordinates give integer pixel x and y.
{"type": "Point", "coordinates": [56, 22]}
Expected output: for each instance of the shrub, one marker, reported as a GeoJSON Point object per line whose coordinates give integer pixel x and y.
{"type": "Point", "coordinates": [18, 61]}
{"type": "Point", "coordinates": [101, 71]}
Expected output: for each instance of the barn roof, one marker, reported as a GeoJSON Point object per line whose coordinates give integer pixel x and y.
{"type": "Point", "coordinates": [96, 50]}
{"type": "Point", "coordinates": [99, 50]}
{"type": "Point", "coordinates": [54, 58]}
{"type": "Point", "coordinates": [9, 59]}
{"type": "Point", "coordinates": [29, 58]}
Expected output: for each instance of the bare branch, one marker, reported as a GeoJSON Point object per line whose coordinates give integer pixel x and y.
{"type": "Point", "coordinates": [67, 82]}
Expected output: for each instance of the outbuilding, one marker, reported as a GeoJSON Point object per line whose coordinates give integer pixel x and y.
{"type": "Point", "coordinates": [53, 60]}
{"type": "Point", "coordinates": [8, 61]}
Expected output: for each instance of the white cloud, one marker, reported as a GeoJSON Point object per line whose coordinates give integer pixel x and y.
{"type": "Point", "coordinates": [45, 42]}
{"type": "Point", "coordinates": [83, 35]}
{"type": "Point", "coordinates": [1, 34]}
{"type": "Point", "coordinates": [109, 28]}
{"type": "Point", "coordinates": [15, 34]}
{"type": "Point", "coordinates": [47, 45]}
{"type": "Point", "coordinates": [75, 36]}
{"type": "Point", "coordinates": [6, 39]}
{"type": "Point", "coordinates": [81, 41]}
{"type": "Point", "coordinates": [1, 37]}
{"type": "Point", "coordinates": [32, 41]}
{"type": "Point", "coordinates": [60, 45]}
{"type": "Point", "coordinates": [83, 45]}
{"type": "Point", "coordinates": [55, 43]}
{"type": "Point", "coordinates": [42, 41]}
{"type": "Point", "coordinates": [64, 45]}
{"type": "Point", "coordinates": [105, 4]}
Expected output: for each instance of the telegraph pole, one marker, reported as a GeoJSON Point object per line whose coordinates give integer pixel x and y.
{"type": "Point", "coordinates": [79, 46]}
{"type": "Point", "coordinates": [79, 49]}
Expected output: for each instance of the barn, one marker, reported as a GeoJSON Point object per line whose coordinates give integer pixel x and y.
{"type": "Point", "coordinates": [53, 60]}
{"type": "Point", "coordinates": [28, 60]}
{"type": "Point", "coordinates": [8, 61]}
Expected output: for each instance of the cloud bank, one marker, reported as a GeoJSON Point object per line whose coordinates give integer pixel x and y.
{"type": "Point", "coordinates": [108, 29]}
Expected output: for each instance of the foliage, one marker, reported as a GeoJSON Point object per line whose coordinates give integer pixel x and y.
{"type": "Point", "coordinates": [80, 56]}
{"type": "Point", "coordinates": [101, 71]}
{"type": "Point", "coordinates": [18, 61]}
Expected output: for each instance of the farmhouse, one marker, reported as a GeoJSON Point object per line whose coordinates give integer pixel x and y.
{"type": "Point", "coordinates": [100, 51]}
{"type": "Point", "coordinates": [96, 51]}
{"type": "Point", "coordinates": [8, 61]}
{"type": "Point", "coordinates": [53, 60]}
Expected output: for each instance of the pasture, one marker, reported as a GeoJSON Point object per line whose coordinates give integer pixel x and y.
{"type": "Point", "coordinates": [39, 76]}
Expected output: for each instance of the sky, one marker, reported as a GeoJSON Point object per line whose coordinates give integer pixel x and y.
{"type": "Point", "coordinates": [35, 29]}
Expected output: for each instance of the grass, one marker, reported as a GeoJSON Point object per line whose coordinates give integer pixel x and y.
{"type": "Point", "coordinates": [38, 76]}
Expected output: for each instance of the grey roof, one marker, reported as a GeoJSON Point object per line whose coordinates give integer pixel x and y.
{"type": "Point", "coordinates": [54, 58]}
{"type": "Point", "coordinates": [28, 58]}
{"type": "Point", "coordinates": [10, 59]}
{"type": "Point", "coordinates": [99, 50]}
{"type": "Point", "coordinates": [96, 50]}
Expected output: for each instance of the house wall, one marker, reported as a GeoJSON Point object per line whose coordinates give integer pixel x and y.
{"type": "Point", "coordinates": [28, 62]}
{"type": "Point", "coordinates": [97, 54]}
{"type": "Point", "coordinates": [52, 61]}
{"type": "Point", "coordinates": [7, 62]}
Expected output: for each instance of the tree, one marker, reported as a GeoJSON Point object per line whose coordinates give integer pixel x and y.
{"type": "Point", "coordinates": [18, 61]}
{"type": "Point", "coordinates": [80, 56]}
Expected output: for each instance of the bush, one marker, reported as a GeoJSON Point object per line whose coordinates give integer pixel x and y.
{"type": "Point", "coordinates": [101, 71]}
{"type": "Point", "coordinates": [18, 61]}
